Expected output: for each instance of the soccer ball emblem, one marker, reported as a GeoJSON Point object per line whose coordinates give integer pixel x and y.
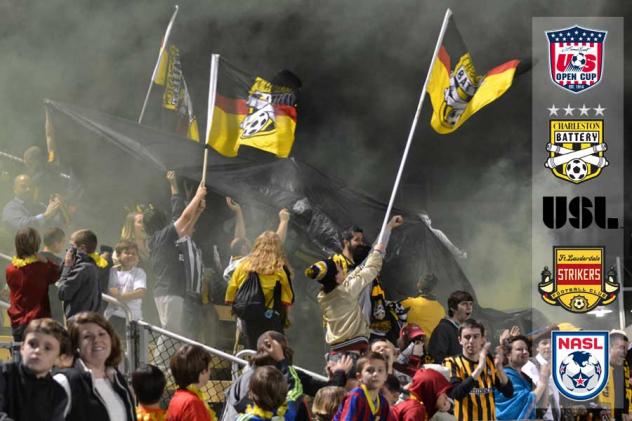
{"type": "Point", "coordinates": [580, 370]}
{"type": "Point", "coordinates": [255, 123]}
{"type": "Point", "coordinates": [576, 170]}
{"type": "Point", "coordinates": [578, 61]}
{"type": "Point", "coordinates": [579, 303]}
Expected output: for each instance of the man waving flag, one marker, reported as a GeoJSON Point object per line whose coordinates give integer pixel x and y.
{"type": "Point", "coordinates": [456, 90]}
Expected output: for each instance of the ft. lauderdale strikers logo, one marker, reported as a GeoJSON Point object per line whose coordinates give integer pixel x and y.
{"type": "Point", "coordinates": [578, 283]}
{"type": "Point", "coordinates": [576, 57]}
{"type": "Point", "coordinates": [580, 363]}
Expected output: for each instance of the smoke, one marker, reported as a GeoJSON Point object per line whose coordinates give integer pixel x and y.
{"type": "Point", "coordinates": [362, 64]}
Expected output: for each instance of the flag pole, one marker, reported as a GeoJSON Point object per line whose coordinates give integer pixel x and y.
{"type": "Point", "coordinates": [212, 91]}
{"type": "Point", "coordinates": [444, 26]}
{"type": "Point", "coordinates": [163, 45]}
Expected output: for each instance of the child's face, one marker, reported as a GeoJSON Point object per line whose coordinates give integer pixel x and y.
{"type": "Point", "coordinates": [373, 374]}
{"type": "Point", "coordinates": [129, 258]}
{"type": "Point", "coordinates": [39, 352]}
{"type": "Point", "coordinates": [385, 348]}
{"type": "Point", "coordinates": [443, 403]}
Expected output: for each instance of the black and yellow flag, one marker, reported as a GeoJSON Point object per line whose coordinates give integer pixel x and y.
{"type": "Point", "coordinates": [251, 111]}
{"type": "Point", "coordinates": [456, 90]}
{"type": "Point", "coordinates": [175, 96]}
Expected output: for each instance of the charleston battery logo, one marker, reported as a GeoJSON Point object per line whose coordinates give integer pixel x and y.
{"type": "Point", "coordinates": [576, 149]}
{"type": "Point", "coordinates": [578, 283]}
{"type": "Point", "coordinates": [576, 57]}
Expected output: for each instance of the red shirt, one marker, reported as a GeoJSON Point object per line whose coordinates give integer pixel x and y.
{"type": "Point", "coordinates": [186, 406]}
{"type": "Point", "coordinates": [29, 291]}
{"type": "Point", "coordinates": [409, 410]}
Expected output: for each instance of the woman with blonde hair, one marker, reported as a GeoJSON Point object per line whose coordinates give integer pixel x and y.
{"type": "Point", "coordinates": [260, 289]}
{"type": "Point", "coordinates": [133, 230]}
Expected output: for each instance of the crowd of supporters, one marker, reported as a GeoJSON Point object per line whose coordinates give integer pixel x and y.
{"type": "Point", "coordinates": [386, 360]}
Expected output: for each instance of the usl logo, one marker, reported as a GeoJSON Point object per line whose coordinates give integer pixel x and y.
{"type": "Point", "coordinates": [580, 363]}
{"type": "Point", "coordinates": [580, 212]}
{"type": "Point", "coordinates": [576, 57]}
{"type": "Point", "coordinates": [578, 283]}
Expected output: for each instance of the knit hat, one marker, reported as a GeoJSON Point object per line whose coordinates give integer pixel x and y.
{"type": "Point", "coordinates": [324, 272]}
{"type": "Point", "coordinates": [427, 386]}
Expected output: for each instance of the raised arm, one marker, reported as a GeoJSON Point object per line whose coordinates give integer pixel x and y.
{"type": "Point", "coordinates": [240, 224]}
{"type": "Point", "coordinates": [284, 220]}
{"type": "Point", "coordinates": [186, 222]}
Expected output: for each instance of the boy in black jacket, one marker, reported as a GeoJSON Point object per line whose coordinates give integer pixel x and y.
{"type": "Point", "coordinates": [27, 390]}
{"type": "Point", "coordinates": [79, 281]}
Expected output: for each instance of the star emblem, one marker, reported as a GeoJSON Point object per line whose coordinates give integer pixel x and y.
{"type": "Point", "coordinates": [580, 380]}
{"type": "Point", "coordinates": [552, 110]}
{"type": "Point", "coordinates": [599, 110]}
{"type": "Point", "coordinates": [569, 110]}
{"type": "Point", "coordinates": [583, 110]}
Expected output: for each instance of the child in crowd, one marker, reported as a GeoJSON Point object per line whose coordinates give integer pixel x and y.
{"type": "Point", "coordinates": [428, 396]}
{"type": "Point", "coordinates": [191, 371]}
{"type": "Point", "coordinates": [268, 391]}
{"type": "Point", "coordinates": [366, 403]}
{"type": "Point", "coordinates": [127, 282]}
{"type": "Point", "coordinates": [54, 240]}
{"type": "Point", "coordinates": [149, 384]}
{"type": "Point", "coordinates": [388, 351]}
{"type": "Point", "coordinates": [28, 278]}
{"type": "Point", "coordinates": [326, 402]}
{"type": "Point", "coordinates": [79, 280]}
{"type": "Point", "coordinates": [27, 390]}
{"type": "Point", "coordinates": [392, 389]}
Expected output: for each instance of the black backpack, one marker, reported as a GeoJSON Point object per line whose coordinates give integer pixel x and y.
{"type": "Point", "coordinates": [249, 301]}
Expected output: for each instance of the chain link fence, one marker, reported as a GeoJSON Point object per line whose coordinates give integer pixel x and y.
{"type": "Point", "coordinates": [156, 346]}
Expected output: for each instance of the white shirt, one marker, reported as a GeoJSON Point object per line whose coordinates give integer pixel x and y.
{"type": "Point", "coordinates": [113, 403]}
{"type": "Point", "coordinates": [533, 372]}
{"type": "Point", "coordinates": [126, 282]}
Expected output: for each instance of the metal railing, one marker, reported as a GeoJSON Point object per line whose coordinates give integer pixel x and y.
{"type": "Point", "coordinates": [149, 344]}
{"type": "Point", "coordinates": [130, 344]}
{"type": "Point", "coordinates": [155, 345]}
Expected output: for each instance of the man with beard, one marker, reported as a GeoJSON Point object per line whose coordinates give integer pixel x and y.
{"type": "Point", "coordinates": [475, 375]}
{"type": "Point", "coordinates": [383, 320]}
{"type": "Point", "coordinates": [340, 296]}
{"type": "Point", "coordinates": [444, 341]}
{"type": "Point", "coordinates": [521, 405]}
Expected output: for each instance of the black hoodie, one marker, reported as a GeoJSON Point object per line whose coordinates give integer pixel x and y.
{"type": "Point", "coordinates": [25, 397]}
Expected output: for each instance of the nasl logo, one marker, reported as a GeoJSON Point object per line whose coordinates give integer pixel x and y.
{"type": "Point", "coordinates": [580, 363]}
{"type": "Point", "coordinates": [576, 57]}
{"type": "Point", "coordinates": [578, 283]}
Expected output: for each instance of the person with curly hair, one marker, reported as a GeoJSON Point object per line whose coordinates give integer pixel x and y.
{"type": "Point", "coordinates": [268, 266]}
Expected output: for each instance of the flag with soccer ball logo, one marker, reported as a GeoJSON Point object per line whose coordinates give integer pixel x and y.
{"type": "Point", "coordinates": [251, 111]}
{"type": "Point", "coordinates": [456, 90]}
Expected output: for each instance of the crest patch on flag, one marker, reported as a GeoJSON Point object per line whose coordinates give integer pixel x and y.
{"type": "Point", "coordinates": [576, 57]}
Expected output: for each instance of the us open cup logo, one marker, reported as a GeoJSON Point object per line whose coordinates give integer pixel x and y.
{"type": "Point", "coordinates": [580, 363]}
